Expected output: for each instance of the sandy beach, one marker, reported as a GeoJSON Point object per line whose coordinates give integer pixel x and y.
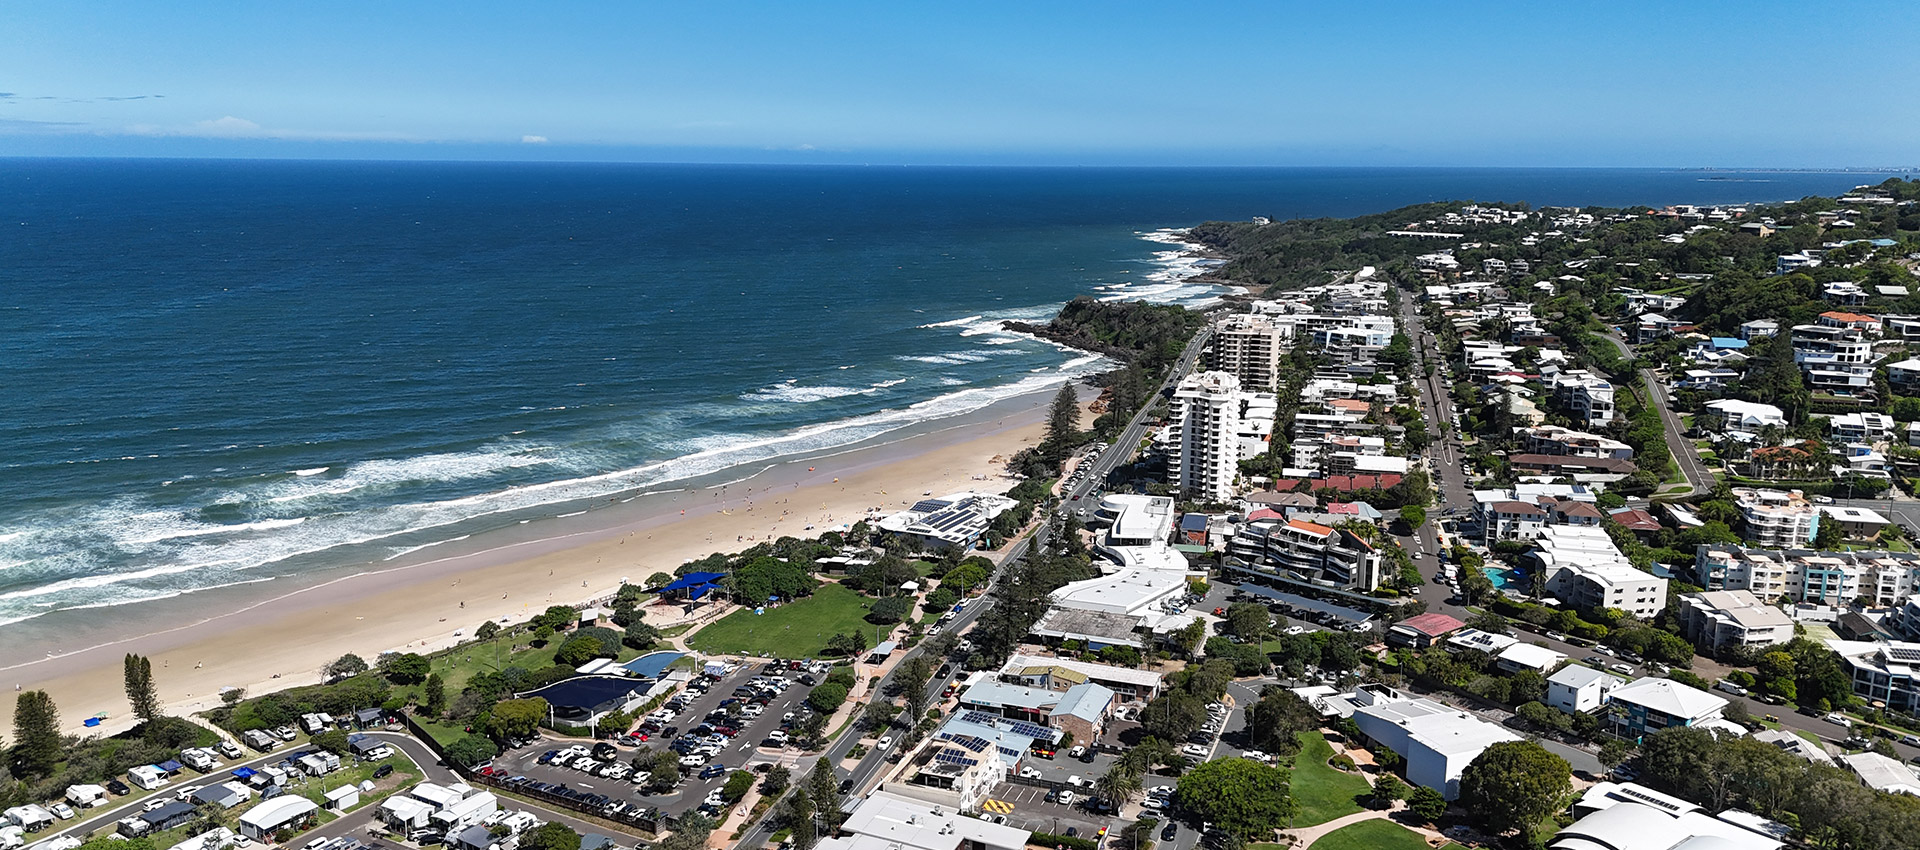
{"type": "Point", "coordinates": [282, 640]}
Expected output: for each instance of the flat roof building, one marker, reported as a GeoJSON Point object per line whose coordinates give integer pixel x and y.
{"type": "Point", "coordinates": [1586, 570]}
{"type": "Point", "coordinates": [887, 821]}
{"type": "Point", "coordinates": [955, 521]}
{"type": "Point", "coordinates": [1437, 741]}
{"type": "Point", "coordinates": [1718, 619]}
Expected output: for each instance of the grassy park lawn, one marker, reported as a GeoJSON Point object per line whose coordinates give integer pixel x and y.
{"type": "Point", "coordinates": [1322, 792]}
{"type": "Point", "coordinates": [794, 630]}
{"type": "Point", "coordinates": [460, 665]}
{"type": "Point", "coordinates": [1371, 835]}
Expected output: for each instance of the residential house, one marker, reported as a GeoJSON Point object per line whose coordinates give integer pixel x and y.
{"type": "Point", "coordinates": [1423, 630]}
{"type": "Point", "coordinates": [1579, 690]}
{"type": "Point", "coordinates": [1648, 705]}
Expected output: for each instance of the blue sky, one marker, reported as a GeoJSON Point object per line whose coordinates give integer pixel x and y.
{"type": "Point", "coordinates": [1335, 83]}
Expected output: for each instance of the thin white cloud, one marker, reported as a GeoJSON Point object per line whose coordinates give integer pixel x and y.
{"type": "Point", "coordinates": [533, 140]}
{"type": "Point", "coordinates": [231, 127]}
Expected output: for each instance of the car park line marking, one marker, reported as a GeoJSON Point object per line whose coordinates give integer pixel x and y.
{"type": "Point", "coordinates": [997, 807]}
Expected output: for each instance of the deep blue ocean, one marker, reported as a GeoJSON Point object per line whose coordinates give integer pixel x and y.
{"type": "Point", "coordinates": [218, 372]}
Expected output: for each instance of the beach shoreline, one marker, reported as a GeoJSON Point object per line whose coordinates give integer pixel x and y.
{"type": "Point", "coordinates": [274, 641]}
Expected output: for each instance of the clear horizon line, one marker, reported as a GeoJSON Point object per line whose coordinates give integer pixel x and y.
{"type": "Point", "coordinates": [1747, 169]}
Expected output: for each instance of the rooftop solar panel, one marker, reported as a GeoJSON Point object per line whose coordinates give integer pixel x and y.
{"type": "Point", "coordinates": [953, 757]}
{"type": "Point", "coordinates": [975, 744]}
{"type": "Point", "coordinates": [1031, 730]}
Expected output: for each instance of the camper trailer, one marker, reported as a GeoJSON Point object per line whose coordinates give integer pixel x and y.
{"type": "Point", "coordinates": [200, 759]}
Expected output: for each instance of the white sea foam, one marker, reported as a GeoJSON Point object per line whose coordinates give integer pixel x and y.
{"type": "Point", "coordinates": [189, 528]}
{"type": "Point", "coordinates": [884, 384]}
{"type": "Point", "coordinates": [791, 392]}
{"type": "Point", "coordinates": [12, 536]}
{"type": "Point", "coordinates": [951, 322]}
{"type": "Point", "coordinates": [314, 471]}
{"type": "Point", "coordinates": [387, 472]}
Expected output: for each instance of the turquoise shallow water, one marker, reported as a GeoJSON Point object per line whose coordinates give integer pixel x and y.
{"type": "Point", "coordinates": [223, 372]}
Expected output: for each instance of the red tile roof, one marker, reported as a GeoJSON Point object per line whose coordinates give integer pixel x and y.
{"type": "Point", "coordinates": [1636, 519]}
{"type": "Point", "coordinates": [1432, 625]}
{"type": "Point", "coordinates": [1265, 513]}
{"type": "Point", "coordinates": [1313, 527]}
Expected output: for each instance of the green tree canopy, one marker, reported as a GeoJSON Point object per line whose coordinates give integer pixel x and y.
{"type": "Point", "coordinates": [1276, 721]}
{"type": "Point", "coordinates": [827, 696]}
{"type": "Point", "coordinates": [578, 650]}
{"type": "Point", "coordinates": [141, 695]}
{"type": "Point", "coordinates": [470, 750]}
{"type": "Point", "coordinates": [516, 718]}
{"type": "Point", "coordinates": [1241, 796]}
{"type": "Point", "coordinates": [551, 836]}
{"type": "Point", "coordinates": [36, 734]}
{"type": "Point", "coordinates": [1514, 784]}
{"type": "Point", "coordinates": [406, 668]}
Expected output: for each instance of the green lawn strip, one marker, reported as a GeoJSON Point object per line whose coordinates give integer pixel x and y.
{"type": "Point", "coordinates": [675, 631]}
{"type": "Point", "coordinates": [794, 630]}
{"type": "Point", "coordinates": [1322, 792]}
{"type": "Point", "coordinates": [405, 773]}
{"type": "Point", "coordinates": [1371, 835]}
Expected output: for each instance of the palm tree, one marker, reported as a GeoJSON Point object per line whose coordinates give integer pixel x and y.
{"type": "Point", "coordinates": [1119, 784]}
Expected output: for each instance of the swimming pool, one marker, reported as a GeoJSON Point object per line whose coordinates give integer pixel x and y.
{"type": "Point", "coordinates": [1504, 576]}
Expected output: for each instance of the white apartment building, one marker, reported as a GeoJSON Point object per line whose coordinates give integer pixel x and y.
{"type": "Point", "coordinates": [1882, 579]}
{"type": "Point", "coordinates": [1249, 347]}
{"type": "Point", "coordinates": [1746, 417]}
{"type": "Point", "coordinates": [1868, 427]}
{"type": "Point", "coordinates": [1589, 396]}
{"type": "Point", "coordinates": [1722, 618]}
{"type": "Point", "coordinates": [1586, 570]}
{"type": "Point", "coordinates": [1204, 453]}
{"type": "Point", "coordinates": [1555, 440]}
{"type": "Point", "coordinates": [1578, 690]}
{"type": "Point", "coordinates": [1882, 672]}
{"type": "Point", "coordinates": [1777, 518]}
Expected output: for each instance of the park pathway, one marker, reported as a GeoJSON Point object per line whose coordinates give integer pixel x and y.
{"type": "Point", "coordinates": [1304, 837]}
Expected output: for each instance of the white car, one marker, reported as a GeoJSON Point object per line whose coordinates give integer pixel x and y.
{"type": "Point", "coordinates": [1066, 798]}
{"type": "Point", "coordinates": [884, 743]}
{"type": "Point", "coordinates": [61, 811]}
{"type": "Point", "coordinates": [1078, 781]}
{"type": "Point", "coordinates": [1029, 773]}
{"type": "Point", "coordinates": [1194, 750]}
{"type": "Point", "coordinates": [693, 760]}
{"type": "Point", "coordinates": [1296, 630]}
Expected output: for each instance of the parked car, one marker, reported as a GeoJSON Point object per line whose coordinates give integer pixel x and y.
{"type": "Point", "coordinates": [1730, 687]}
{"type": "Point", "coordinates": [1837, 718]}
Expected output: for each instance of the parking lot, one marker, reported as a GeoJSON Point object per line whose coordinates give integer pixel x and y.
{"type": "Point", "coordinates": [1026, 807]}
{"type": "Point", "coordinates": [738, 752]}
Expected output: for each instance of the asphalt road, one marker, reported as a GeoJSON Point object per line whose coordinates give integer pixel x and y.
{"type": "Point", "coordinates": [1699, 478]}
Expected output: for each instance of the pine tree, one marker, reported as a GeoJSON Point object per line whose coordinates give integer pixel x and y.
{"type": "Point", "coordinates": [1063, 424]}
{"type": "Point", "coordinates": [36, 734]}
{"type": "Point", "coordinates": [140, 693]}
{"type": "Point", "coordinates": [436, 701]}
